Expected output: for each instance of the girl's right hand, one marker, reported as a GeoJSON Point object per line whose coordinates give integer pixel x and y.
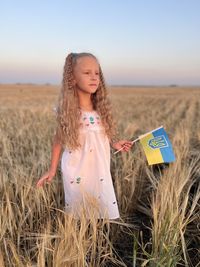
{"type": "Point", "coordinates": [48, 176]}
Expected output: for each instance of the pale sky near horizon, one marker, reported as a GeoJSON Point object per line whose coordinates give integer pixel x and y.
{"type": "Point", "coordinates": [152, 42]}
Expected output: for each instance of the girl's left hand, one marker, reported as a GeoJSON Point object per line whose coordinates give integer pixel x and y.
{"type": "Point", "coordinates": [125, 144]}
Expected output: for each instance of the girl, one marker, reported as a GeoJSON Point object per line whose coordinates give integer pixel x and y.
{"type": "Point", "coordinates": [85, 129]}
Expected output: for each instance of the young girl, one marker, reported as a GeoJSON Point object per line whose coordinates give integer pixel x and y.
{"type": "Point", "coordinates": [85, 129]}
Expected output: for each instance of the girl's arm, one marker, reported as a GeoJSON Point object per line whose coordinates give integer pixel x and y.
{"type": "Point", "coordinates": [56, 149]}
{"type": "Point", "coordinates": [55, 156]}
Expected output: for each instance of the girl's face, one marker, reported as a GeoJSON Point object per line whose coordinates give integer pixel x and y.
{"type": "Point", "coordinates": [86, 74]}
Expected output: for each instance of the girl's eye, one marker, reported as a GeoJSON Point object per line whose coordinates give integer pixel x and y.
{"type": "Point", "coordinates": [88, 73]}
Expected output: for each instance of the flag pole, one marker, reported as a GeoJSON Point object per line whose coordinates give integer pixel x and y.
{"type": "Point", "coordinates": [141, 136]}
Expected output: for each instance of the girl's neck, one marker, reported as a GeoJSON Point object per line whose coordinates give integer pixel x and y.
{"type": "Point", "coordinates": [88, 107]}
{"type": "Point", "coordinates": [85, 101]}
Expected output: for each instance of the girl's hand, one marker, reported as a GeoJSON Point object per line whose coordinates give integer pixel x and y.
{"type": "Point", "coordinates": [48, 176]}
{"type": "Point", "coordinates": [125, 144]}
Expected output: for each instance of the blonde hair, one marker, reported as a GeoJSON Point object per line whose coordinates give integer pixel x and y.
{"type": "Point", "coordinates": [68, 113]}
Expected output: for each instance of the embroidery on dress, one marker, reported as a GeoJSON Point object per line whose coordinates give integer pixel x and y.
{"type": "Point", "coordinates": [91, 120]}
{"type": "Point", "coordinates": [78, 180]}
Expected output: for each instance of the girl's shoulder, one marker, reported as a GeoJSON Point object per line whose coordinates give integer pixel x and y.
{"type": "Point", "coordinates": [55, 109]}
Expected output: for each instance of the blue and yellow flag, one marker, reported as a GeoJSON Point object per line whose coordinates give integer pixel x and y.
{"type": "Point", "coordinates": [157, 147]}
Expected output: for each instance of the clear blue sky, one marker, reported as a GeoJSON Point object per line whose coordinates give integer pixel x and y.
{"type": "Point", "coordinates": [137, 42]}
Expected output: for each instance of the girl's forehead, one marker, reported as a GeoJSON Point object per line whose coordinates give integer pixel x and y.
{"type": "Point", "coordinates": [87, 62]}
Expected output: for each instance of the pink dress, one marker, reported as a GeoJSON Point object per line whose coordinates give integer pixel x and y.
{"type": "Point", "coordinates": [86, 171]}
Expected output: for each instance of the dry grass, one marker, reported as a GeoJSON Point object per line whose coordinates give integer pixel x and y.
{"type": "Point", "coordinates": [159, 205]}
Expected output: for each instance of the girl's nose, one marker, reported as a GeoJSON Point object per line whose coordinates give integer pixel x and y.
{"type": "Point", "coordinates": [93, 77]}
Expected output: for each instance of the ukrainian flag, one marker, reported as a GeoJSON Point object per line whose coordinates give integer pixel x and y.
{"type": "Point", "coordinates": [157, 146]}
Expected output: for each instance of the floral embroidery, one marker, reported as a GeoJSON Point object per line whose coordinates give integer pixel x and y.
{"type": "Point", "coordinates": [91, 120]}
{"type": "Point", "coordinates": [78, 180]}
{"type": "Point", "coordinates": [71, 182]}
{"type": "Point", "coordinates": [98, 119]}
{"type": "Point", "coordinates": [101, 179]}
{"type": "Point", "coordinates": [114, 202]}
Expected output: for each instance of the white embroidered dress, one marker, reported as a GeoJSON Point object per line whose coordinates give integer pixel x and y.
{"type": "Point", "coordinates": [87, 170]}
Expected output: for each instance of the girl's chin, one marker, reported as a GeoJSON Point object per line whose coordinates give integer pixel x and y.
{"type": "Point", "coordinates": [91, 90]}
{"type": "Point", "coordinates": [94, 90]}
{"type": "Point", "coordinates": [88, 90]}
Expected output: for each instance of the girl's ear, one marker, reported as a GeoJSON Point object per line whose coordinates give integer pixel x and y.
{"type": "Point", "coordinates": [73, 82]}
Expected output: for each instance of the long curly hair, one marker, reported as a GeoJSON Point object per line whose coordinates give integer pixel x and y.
{"type": "Point", "coordinates": [68, 112]}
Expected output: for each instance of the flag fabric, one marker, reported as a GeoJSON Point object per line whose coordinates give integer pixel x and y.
{"type": "Point", "coordinates": [157, 146]}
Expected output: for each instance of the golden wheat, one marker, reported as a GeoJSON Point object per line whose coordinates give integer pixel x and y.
{"type": "Point", "coordinates": [159, 205]}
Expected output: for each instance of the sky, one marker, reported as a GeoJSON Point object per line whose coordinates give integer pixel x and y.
{"type": "Point", "coordinates": [143, 42]}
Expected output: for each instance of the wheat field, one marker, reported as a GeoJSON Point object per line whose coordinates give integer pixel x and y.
{"type": "Point", "coordinates": [159, 205]}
